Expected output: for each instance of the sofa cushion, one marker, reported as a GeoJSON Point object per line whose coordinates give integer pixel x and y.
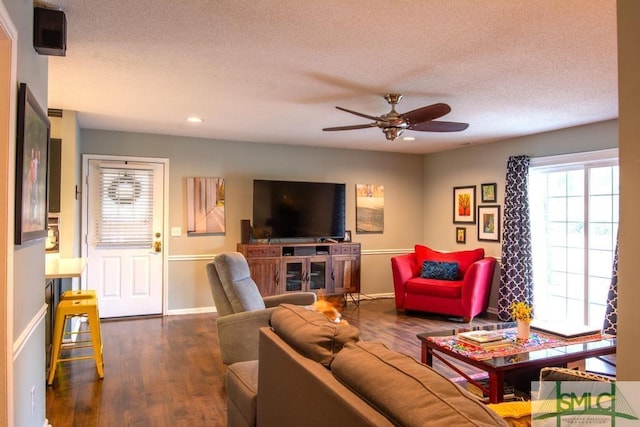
{"type": "Point", "coordinates": [438, 288]}
{"type": "Point", "coordinates": [311, 333]}
{"type": "Point", "coordinates": [421, 396]}
{"type": "Point", "coordinates": [439, 270]}
{"type": "Point", "coordinates": [241, 382]}
{"type": "Point", "coordinates": [463, 258]}
{"type": "Point", "coordinates": [241, 290]}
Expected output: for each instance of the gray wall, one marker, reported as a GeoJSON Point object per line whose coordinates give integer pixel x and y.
{"type": "Point", "coordinates": [487, 163]}
{"type": "Point", "coordinates": [28, 262]}
{"type": "Point", "coordinates": [418, 192]}
{"type": "Point", "coordinates": [239, 163]}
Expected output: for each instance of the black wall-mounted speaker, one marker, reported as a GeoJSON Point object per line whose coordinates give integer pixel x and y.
{"type": "Point", "coordinates": [245, 231]}
{"type": "Point", "coordinates": [49, 31]}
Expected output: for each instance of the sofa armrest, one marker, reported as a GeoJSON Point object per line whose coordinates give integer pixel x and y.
{"type": "Point", "coordinates": [238, 334]}
{"type": "Point", "coordinates": [403, 268]}
{"type": "Point", "coordinates": [296, 298]}
{"type": "Point", "coordinates": [476, 284]}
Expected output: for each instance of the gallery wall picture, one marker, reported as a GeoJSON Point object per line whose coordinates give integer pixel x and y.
{"type": "Point", "coordinates": [489, 192]}
{"type": "Point", "coordinates": [464, 205]}
{"type": "Point", "coordinates": [489, 223]}
{"type": "Point", "coordinates": [369, 208]}
{"type": "Point", "coordinates": [205, 206]}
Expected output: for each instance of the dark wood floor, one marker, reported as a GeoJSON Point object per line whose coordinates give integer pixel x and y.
{"type": "Point", "coordinates": [166, 371]}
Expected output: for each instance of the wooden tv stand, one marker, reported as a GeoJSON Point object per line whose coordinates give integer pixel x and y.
{"type": "Point", "coordinates": [325, 268]}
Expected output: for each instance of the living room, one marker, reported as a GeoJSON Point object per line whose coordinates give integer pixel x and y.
{"type": "Point", "coordinates": [418, 195]}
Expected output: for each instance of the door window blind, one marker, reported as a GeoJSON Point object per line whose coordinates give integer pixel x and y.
{"type": "Point", "coordinates": [125, 207]}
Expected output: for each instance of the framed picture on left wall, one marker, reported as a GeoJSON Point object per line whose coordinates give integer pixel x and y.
{"type": "Point", "coordinates": [32, 158]}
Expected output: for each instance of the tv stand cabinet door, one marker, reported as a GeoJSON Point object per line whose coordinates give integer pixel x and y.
{"type": "Point", "coordinates": [319, 277]}
{"type": "Point", "coordinates": [266, 273]}
{"type": "Point", "coordinates": [345, 273]}
{"type": "Point", "coordinates": [295, 274]}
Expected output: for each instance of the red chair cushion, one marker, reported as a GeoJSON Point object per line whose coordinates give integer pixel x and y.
{"type": "Point", "coordinates": [438, 288]}
{"type": "Point", "coordinates": [463, 258]}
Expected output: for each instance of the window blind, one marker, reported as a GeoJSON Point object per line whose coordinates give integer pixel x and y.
{"type": "Point", "coordinates": [125, 207]}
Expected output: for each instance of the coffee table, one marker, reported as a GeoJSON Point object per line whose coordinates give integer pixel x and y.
{"type": "Point", "coordinates": [521, 368]}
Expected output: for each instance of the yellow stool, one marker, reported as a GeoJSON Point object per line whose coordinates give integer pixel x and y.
{"type": "Point", "coordinates": [89, 293]}
{"type": "Point", "coordinates": [67, 309]}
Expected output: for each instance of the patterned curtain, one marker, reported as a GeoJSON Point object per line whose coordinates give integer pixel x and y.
{"type": "Point", "coordinates": [516, 272]}
{"type": "Point", "coordinates": [611, 317]}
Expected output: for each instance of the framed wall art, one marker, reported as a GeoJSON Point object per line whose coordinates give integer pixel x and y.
{"type": "Point", "coordinates": [464, 205]}
{"type": "Point", "coordinates": [32, 158]}
{"type": "Point", "coordinates": [489, 223]}
{"type": "Point", "coordinates": [369, 208]}
{"type": "Point", "coordinates": [205, 206]}
{"type": "Point", "coordinates": [488, 193]}
{"type": "Point", "coordinates": [461, 235]}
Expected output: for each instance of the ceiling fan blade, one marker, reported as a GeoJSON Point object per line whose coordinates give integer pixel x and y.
{"type": "Point", "coordinates": [366, 116]}
{"type": "Point", "coordinates": [425, 114]}
{"type": "Point", "coordinates": [439, 126]}
{"type": "Point", "coordinates": [370, 125]}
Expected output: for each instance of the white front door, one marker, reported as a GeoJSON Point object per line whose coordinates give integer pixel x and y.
{"type": "Point", "coordinates": [124, 236]}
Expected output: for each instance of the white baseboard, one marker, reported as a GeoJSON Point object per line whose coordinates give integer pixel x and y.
{"type": "Point", "coordinates": [196, 310]}
{"type": "Point", "coordinates": [377, 296]}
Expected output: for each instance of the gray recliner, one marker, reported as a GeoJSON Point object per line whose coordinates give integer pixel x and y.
{"type": "Point", "coordinates": [242, 311]}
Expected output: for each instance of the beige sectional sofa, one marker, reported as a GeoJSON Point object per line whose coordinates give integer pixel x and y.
{"type": "Point", "coordinates": [313, 372]}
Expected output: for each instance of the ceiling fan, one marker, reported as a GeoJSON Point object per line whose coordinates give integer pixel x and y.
{"type": "Point", "coordinates": [394, 123]}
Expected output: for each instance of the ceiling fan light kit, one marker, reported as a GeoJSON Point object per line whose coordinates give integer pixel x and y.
{"type": "Point", "coordinates": [393, 123]}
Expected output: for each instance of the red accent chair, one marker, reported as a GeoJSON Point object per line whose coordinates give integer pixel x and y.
{"type": "Point", "coordinates": [466, 297]}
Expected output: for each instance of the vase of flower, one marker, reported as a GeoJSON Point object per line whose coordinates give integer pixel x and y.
{"type": "Point", "coordinates": [524, 328]}
{"type": "Point", "coordinates": [523, 314]}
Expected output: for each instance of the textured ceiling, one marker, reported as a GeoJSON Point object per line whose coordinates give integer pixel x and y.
{"type": "Point", "coordinates": [273, 70]}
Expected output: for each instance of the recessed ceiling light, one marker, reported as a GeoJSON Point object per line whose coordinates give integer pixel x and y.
{"type": "Point", "coordinates": [194, 119]}
{"type": "Point", "coordinates": [409, 138]}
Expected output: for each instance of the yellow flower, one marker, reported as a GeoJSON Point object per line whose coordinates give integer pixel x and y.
{"type": "Point", "coordinates": [521, 311]}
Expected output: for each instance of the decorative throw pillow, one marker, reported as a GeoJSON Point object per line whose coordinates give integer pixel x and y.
{"type": "Point", "coordinates": [439, 270]}
{"type": "Point", "coordinates": [463, 258]}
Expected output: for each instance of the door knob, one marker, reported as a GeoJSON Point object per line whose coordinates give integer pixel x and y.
{"type": "Point", "coordinates": [157, 245]}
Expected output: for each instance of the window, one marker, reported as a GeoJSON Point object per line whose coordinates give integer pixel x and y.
{"type": "Point", "coordinates": [125, 207]}
{"type": "Point", "coordinates": [574, 222]}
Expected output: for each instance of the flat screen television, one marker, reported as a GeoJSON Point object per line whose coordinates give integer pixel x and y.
{"type": "Point", "coordinates": [290, 209]}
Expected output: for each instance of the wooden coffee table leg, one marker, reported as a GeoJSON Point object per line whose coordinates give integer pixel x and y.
{"type": "Point", "coordinates": [426, 356]}
{"type": "Point", "coordinates": [496, 386]}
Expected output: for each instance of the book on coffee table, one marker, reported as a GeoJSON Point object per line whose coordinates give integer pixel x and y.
{"type": "Point", "coordinates": [489, 345]}
{"type": "Point", "coordinates": [480, 337]}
